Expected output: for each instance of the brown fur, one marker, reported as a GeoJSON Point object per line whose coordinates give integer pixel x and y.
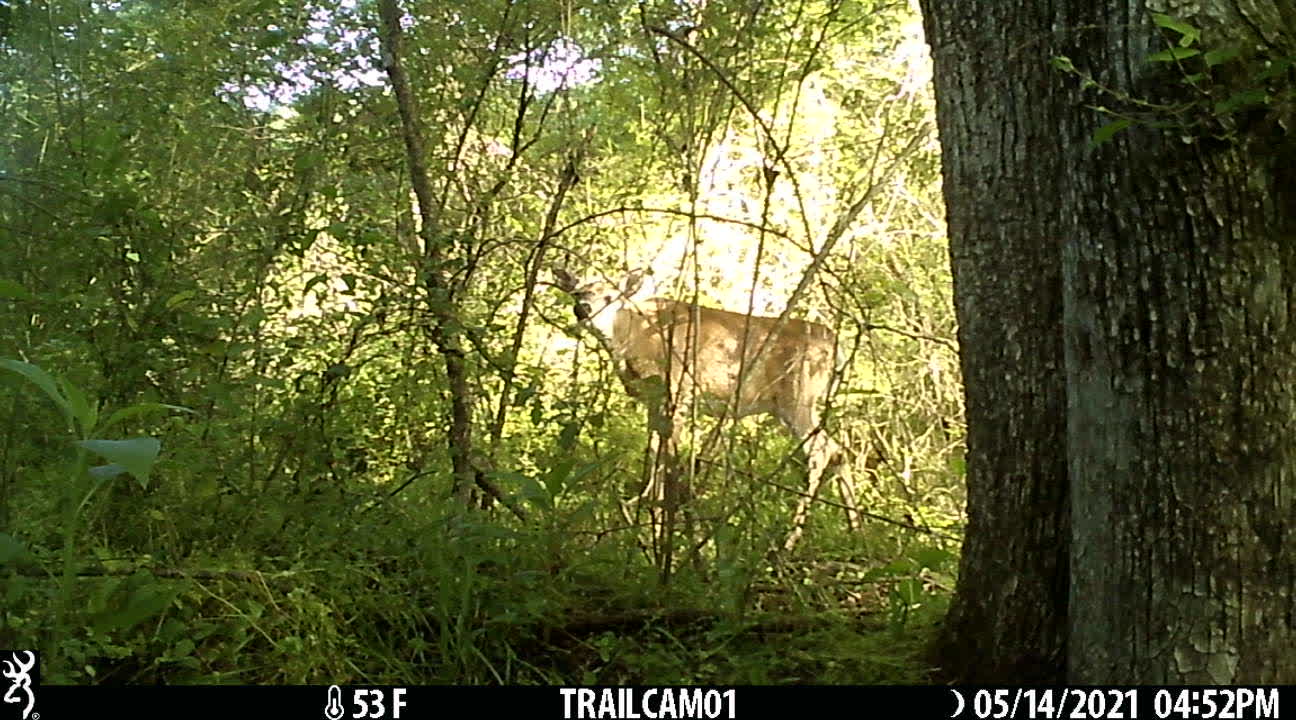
{"type": "Point", "coordinates": [733, 364]}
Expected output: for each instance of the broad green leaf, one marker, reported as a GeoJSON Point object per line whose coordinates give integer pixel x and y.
{"type": "Point", "coordinates": [42, 380]}
{"type": "Point", "coordinates": [1173, 54]}
{"type": "Point", "coordinates": [1106, 132]}
{"type": "Point", "coordinates": [84, 408]}
{"type": "Point", "coordinates": [910, 590]}
{"type": "Point", "coordinates": [582, 471]}
{"type": "Point", "coordinates": [106, 472]}
{"type": "Point", "coordinates": [1219, 56]}
{"type": "Point", "coordinates": [556, 478]}
{"type": "Point", "coordinates": [14, 291]}
{"type": "Point", "coordinates": [1187, 33]}
{"type": "Point", "coordinates": [136, 455]}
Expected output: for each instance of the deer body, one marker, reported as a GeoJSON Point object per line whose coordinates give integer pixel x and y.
{"type": "Point", "coordinates": [672, 355]}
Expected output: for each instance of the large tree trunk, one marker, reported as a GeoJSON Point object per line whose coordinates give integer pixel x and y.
{"type": "Point", "coordinates": [1179, 267]}
{"type": "Point", "coordinates": [1177, 245]}
{"type": "Point", "coordinates": [997, 107]}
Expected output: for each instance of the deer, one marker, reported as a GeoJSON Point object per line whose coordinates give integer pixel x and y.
{"type": "Point", "coordinates": [669, 353]}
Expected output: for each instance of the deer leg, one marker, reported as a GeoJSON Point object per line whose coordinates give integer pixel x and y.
{"type": "Point", "coordinates": [663, 452]}
{"type": "Point", "coordinates": [816, 465]}
{"type": "Point", "coordinates": [836, 463]}
{"type": "Point", "coordinates": [662, 489]}
{"type": "Point", "coordinates": [847, 490]}
{"type": "Point", "coordinates": [823, 455]}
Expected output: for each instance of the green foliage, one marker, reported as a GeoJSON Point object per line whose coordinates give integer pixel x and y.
{"type": "Point", "coordinates": [1212, 84]}
{"type": "Point", "coordinates": [1188, 35]}
{"type": "Point", "coordinates": [116, 606]}
{"type": "Point", "coordinates": [206, 229]}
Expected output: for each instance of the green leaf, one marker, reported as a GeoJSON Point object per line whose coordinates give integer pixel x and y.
{"type": "Point", "coordinates": [933, 558]}
{"type": "Point", "coordinates": [1276, 68]}
{"type": "Point", "coordinates": [180, 298]}
{"type": "Point", "coordinates": [1187, 33]}
{"type": "Point", "coordinates": [1239, 100]}
{"type": "Point", "coordinates": [14, 291]}
{"type": "Point", "coordinates": [183, 648]}
{"type": "Point", "coordinates": [1219, 56]}
{"type": "Point", "coordinates": [1063, 63]}
{"type": "Point", "coordinates": [139, 409]}
{"type": "Point", "coordinates": [106, 472]}
{"type": "Point", "coordinates": [556, 479]}
{"type": "Point", "coordinates": [909, 590]}
{"type": "Point", "coordinates": [524, 395]}
{"type": "Point", "coordinates": [84, 409]}
{"type": "Point", "coordinates": [1173, 54]}
{"type": "Point", "coordinates": [1106, 132]}
{"type": "Point", "coordinates": [136, 455]}
{"type": "Point", "coordinates": [44, 381]}
{"type": "Point", "coordinates": [532, 491]}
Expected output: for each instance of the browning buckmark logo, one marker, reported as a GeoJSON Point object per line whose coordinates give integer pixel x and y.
{"type": "Point", "coordinates": [21, 672]}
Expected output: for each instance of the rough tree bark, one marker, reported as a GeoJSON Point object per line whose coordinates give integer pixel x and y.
{"type": "Point", "coordinates": [1180, 292]}
{"type": "Point", "coordinates": [997, 105]}
{"type": "Point", "coordinates": [1176, 244]}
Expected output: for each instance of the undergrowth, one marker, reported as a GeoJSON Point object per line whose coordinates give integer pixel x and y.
{"type": "Point", "coordinates": [476, 604]}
